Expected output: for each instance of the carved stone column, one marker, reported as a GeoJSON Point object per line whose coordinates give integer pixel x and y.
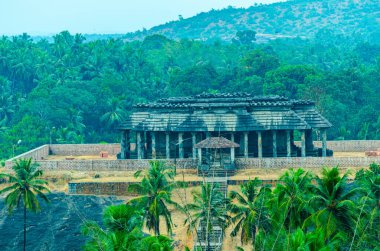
{"type": "Point", "coordinates": [194, 142]}
{"type": "Point", "coordinates": [288, 144]}
{"type": "Point", "coordinates": [309, 140]}
{"type": "Point", "coordinates": [274, 143]}
{"type": "Point", "coordinates": [167, 145]}
{"type": "Point", "coordinates": [324, 142]}
{"type": "Point", "coordinates": [232, 149]}
{"type": "Point", "coordinates": [123, 145]}
{"type": "Point", "coordinates": [303, 144]}
{"type": "Point", "coordinates": [139, 145]}
{"type": "Point", "coordinates": [246, 145]}
{"type": "Point", "coordinates": [180, 145]}
{"type": "Point", "coordinates": [153, 137]}
{"type": "Point", "coordinates": [199, 156]}
{"type": "Point", "coordinates": [260, 144]}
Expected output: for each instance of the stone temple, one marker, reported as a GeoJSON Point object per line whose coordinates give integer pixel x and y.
{"type": "Point", "coordinates": [262, 126]}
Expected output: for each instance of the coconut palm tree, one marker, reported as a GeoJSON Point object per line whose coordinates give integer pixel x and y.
{"type": "Point", "coordinates": [250, 213]}
{"type": "Point", "coordinates": [209, 207]}
{"type": "Point", "coordinates": [155, 190]}
{"type": "Point", "coordinates": [156, 243]}
{"type": "Point", "coordinates": [333, 202]}
{"type": "Point", "coordinates": [123, 231]}
{"type": "Point", "coordinates": [114, 114]}
{"type": "Point", "coordinates": [314, 241]}
{"type": "Point", "coordinates": [26, 185]}
{"type": "Point", "coordinates": [7, 108]}
{"type": "Point", "coordinates": [367, 227]}
{"type": "Point", "coordinates": [292, 196]}
{"type": "Point", "coordinates": [123, 224]}
{"type": "Point", "coordinates": [289, 205]}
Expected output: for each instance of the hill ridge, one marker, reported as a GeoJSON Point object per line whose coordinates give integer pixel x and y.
{"type": "Point", "coordinates": [302, 18]}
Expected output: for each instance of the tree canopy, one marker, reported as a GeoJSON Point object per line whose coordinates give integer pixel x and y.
{"type": "Point", "coordinates": [72, 91]}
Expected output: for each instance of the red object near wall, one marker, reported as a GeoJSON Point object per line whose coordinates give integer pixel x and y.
{"type": "Point", "coordinates": [104, 154]}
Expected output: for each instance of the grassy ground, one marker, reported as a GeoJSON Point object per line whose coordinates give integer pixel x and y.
{"type": "Point", "coordinates": [349, 154]}
{"type": "Point", "coordinates": [58, 180]}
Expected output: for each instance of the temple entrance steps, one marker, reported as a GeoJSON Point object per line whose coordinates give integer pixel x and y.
{"type": "Point", "coordinates": [217, 173]}
{"type": "Point", "coordinates": [215, 236]}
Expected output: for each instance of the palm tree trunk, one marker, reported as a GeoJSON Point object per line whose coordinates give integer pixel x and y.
{"type": "Point", "coordinates": [208, 239]}
{"type": "Point", "coordinates": [24, 227]}
{"type": "Point", "coordinates": [157, 228]}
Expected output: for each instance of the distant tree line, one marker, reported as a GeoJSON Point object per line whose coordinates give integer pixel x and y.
{"type": "Point", "coordinates": [73, 91]}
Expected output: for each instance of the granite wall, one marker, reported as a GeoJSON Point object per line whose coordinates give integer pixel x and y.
{"type": "Point", "coordinates": [39, 154]}
{"type": "Point", "coordinates": [83, 149]}
{"type": "Point", "coordinates": [348, 145]}
{"type": "Point", "coordinates": [308, 162]}
{"type": "Point", "coordinates": [241, 163]}
{"type": "Point", "coordinates": [36, 154]}
{"type": "Point", "coordinates": [108, 165]}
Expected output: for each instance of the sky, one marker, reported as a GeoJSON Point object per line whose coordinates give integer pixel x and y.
{"type": "Point", "coordinates": [47, 17]}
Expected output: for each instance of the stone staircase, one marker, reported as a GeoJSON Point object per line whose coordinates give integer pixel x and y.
{"type": "Point", "coordinates": [217, 171]}
{"type": "Point", "coordinates": [216, 233]}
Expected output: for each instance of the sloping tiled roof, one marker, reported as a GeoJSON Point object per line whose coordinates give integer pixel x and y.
{"type": "Point", "coordinates": [216, 142]}
{"type": "Point", "coordinates": [225, 112]}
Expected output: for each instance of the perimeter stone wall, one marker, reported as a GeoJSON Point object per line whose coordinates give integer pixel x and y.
{"type": "Point", "coordinates": [36, 154]}
{"type": "Point", "coordinates": [109, 165]}
{"type": "Point", "coordinates": [84, 149]}
{"type": "Point", "coordinates": [308, 162]}
{"type": "Point", "coordinates": [241, 163]}
{"type": "Point", "coordinates": [40, 153]}
{"type": "Point", "coordinates": [121, 188]}
{"type": "Point", "coordinates": [100, 188]}
{"type": "Point", "coordinates": [348, 145]}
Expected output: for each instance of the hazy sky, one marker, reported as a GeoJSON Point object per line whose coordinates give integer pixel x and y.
{"type": "Point", "coordinates": [44, 17]}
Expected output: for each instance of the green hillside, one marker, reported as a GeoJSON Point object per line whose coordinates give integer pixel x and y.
{"type": "Point", "coordinates": [285, 19]}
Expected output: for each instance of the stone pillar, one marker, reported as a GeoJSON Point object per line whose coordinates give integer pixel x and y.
{"type": "Point", "coordinates": [207, 150]}
{"type": "Point", "coordinates": [309, 140]}
{"type": "Point", "coordinates": [259, 144]}
{"type": "Point", "coordinates": [324, 142]}
{"type": "Point", "coordinates": [167, 145]}
{"type": "Point", "coordinates": [200, 156]}
{"type": "Point", "coordinates": [144, 145]}
{"type": "Point", "coordinates": [274, 143]}
{"type": "Point", "coordinates": [194, 142]}
{"type": "Point", "coordinates": [139, 145]}
{"type": "Point", "coordinates": [153, 137]}
{"type": "Point", "coordinates": [233, 148]}
{"type": "Point", "coordinates": [303, 144]}
{"type": "Point", "coordinates": [123, 145]}
{"type": "Point", "coordinates": [180, 145]}
{"type": "Point", "coordinates": [288, 145]}
{"type": "Point", "coordinates": [246, 145]}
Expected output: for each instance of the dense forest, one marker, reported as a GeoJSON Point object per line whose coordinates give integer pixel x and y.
{"type": "Point", "coordinates": [74, 91]}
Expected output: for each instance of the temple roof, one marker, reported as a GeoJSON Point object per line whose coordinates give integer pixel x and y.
{"type": "Point", "coordinates": [216, 143]}
{"type": "Point", "coordinates": [224, 112]}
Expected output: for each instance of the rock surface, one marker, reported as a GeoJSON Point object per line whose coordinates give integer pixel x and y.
{"type": "Point", "coordinates": [56, 227]}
